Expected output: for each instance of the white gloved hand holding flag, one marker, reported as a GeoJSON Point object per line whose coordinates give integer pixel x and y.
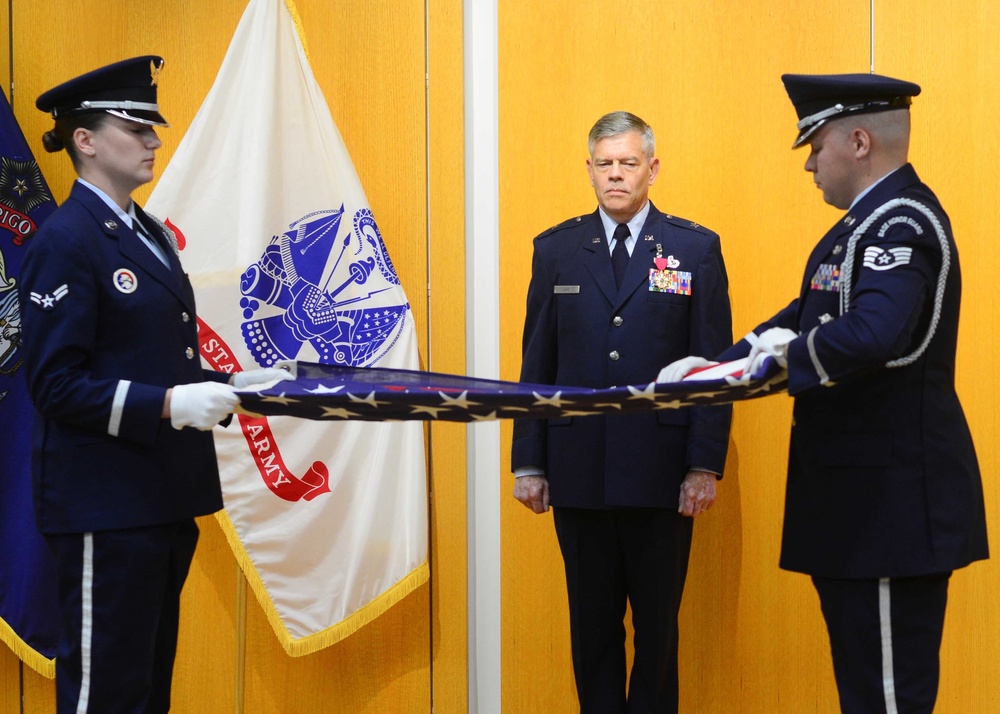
{"type": "Point", "coordinates": [679, 369]}
{"type": "Point", "coordinates": [255, 377]}
{"type": "Point", "coordinates": [773, 343]}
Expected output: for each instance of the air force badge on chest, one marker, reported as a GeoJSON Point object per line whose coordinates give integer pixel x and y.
{"type": "Point", "coordinates": [125, 281]}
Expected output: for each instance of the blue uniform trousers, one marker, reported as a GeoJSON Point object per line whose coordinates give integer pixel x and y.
{"type": "Point", "coordinates": [119, 594]}
{"type": "Point", "coordinates": [636, 556]}
{"type": "Point", "coordinates": [885, 638]}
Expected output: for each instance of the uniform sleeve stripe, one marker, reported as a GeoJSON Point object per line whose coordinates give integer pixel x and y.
{"type": "Point", "coordinates": [824, 378]}
{"type": "Point", "coordinates": [118, 407]}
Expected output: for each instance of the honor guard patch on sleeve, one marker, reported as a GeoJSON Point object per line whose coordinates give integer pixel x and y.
{"type": "Point", "coordinates": [827, 277]}
{"type": "Point", "coordinates": [880, 259]}
{"type": "Point", "coordinates": [677, 282]}
{"type": "Point", "coordinates": [48, 300]}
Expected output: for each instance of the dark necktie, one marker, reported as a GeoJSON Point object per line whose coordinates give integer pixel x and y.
{"type": "Point", "coordinates": [619, 254]}
{"type": "Point", "coordinates": [155, 245]}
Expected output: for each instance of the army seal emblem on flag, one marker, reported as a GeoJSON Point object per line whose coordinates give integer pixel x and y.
{"type": "Point", "coordinates": [312, 288]}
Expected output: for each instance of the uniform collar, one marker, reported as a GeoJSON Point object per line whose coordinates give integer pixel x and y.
{"type": "Point", "coordinates": [635, 225]}
{"type": "Point", "coordinates": [127, 217]}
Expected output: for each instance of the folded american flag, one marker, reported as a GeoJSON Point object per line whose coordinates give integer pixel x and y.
{"type": "Point", "coordinates": [331, 392]}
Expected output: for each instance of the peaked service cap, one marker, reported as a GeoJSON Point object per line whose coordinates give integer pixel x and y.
{"type": "Point", "coordinates": [821, 97]}
{"type": "Point", "coordinates": [126, 89]}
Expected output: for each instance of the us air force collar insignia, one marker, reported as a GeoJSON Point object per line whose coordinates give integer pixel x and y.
{"type": "Point", "coordinates": [596, 240]}
{"type": "Point", "coordinates": [125, 281]}
{"type": "Point", "coordinates": [111, 225]}
{"type": "Point", "coordinates": [849, 220]}
{"type": "Point", "coordinates": [649, 238]}
{"type": "Point", "coordinates": [48, 300]}
{"type": "Point", "coordinates": [825, 318]}
{"type": "Point", "coordinates": [837, 249]}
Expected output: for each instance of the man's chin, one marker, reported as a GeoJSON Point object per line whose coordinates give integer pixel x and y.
{"type": "Point", "coordinates": [616, 204]}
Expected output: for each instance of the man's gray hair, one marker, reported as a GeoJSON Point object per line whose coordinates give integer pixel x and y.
{"type": "Point", "coordinates": [618, 123]}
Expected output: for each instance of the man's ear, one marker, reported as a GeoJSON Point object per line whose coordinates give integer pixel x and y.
{"type": "Point", "coordinates": [861, 141]}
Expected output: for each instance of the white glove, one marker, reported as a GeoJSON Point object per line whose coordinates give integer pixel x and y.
{"type": "Point", "coordinates": [242, 380]}
{"type": "Point", "coordinates": [676, 371]}
{"type": "Point", "coordinates": [773, 342]}
{"type": "Point", "coordinates": [201, 405]}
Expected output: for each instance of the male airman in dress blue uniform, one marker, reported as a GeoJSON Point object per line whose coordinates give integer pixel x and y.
{"type": "Point", "coordinates": [613, 295]}
{"type": "Point", "coordinates": [884, 498]}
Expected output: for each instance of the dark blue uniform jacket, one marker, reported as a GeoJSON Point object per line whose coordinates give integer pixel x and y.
{"type": "Point", "coordinates": [108, 328]}
{"type": "Point", "coordinates": [883, 479]}
{"type": "Point", "coordinates": [580, 330]}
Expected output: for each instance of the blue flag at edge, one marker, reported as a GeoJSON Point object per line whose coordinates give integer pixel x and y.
{"type": "Point", "coordinates": [29, 614]}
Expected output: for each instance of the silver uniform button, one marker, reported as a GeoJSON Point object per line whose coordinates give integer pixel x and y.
{"type": "Point", "coordinates": [614, 355]}
{"type": "Point", "coordinates": [189, 353]}
{"type": "Point", "coordinates": [185, 317]}
{"type": "Point", "coordinates": [617, 322]}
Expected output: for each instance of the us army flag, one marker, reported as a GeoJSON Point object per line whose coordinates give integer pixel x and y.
{"type": "Point", "coordinates": [29, 603]}
{"type": "Point", "coordinates": [328, 521]}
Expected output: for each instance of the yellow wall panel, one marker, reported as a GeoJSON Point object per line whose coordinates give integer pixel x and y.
{"type": "Point", "coordinates": [5, 58]}
{"type": "Point", "coordinates": [446, 353]}
{"type": "Point", "coordinates": [39, 693]}
{"type": "Point", "coordinates": [10, 681]}
{"type": "Point", "coordinates": [381, 668]}
{"type": "Point", "coordinates": [207, 641]}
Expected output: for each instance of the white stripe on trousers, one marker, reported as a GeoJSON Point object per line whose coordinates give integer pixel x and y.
{"type": "Point", "coordinates": [86, 621]}
{"type": "Point", "coordinates": [885, 624]}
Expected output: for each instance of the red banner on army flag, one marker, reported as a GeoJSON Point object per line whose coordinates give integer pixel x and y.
{"type": "Point", "coordinates": [328, 521]}
{"type": "Point", "coordinates": [29, 606]}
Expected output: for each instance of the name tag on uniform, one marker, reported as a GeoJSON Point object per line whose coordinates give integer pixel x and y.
{"type": "Point", "coordinates": [566, 289]}
{"type": "Point", "coordinates": [827, 277]}
{"type": "Point", "coordinates": [677, 282]}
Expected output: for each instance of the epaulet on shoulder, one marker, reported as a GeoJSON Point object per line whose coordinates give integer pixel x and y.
{"type": "Point", "coordinates": [686, 224]}
{"type": "Point", "coordinates": [570, 223]}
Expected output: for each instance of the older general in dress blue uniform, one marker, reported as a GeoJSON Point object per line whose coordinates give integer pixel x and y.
{"type": "Point", "coordinates": [884, 497]}
{"type": "Point", "coordinates": [123, 457]}
{"type": "Point", "coordinates": [613, 296]}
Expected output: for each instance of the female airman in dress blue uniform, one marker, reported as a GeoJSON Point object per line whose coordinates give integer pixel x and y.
{"type": "Point", "coordinates": [122, 456]}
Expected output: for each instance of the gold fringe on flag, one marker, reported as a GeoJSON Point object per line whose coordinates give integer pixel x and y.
{"type": "Point", "coordinates": [336, 632]}
{"type": "Point", "coordinates": [26, 653]}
